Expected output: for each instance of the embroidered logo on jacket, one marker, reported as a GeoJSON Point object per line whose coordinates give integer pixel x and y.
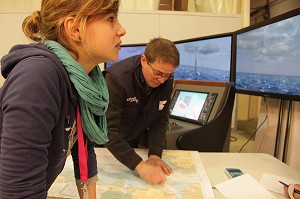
{"type": "Point", "coordinates": [132, 99]}
{"type": "Point", "coordinates": [162, 105]}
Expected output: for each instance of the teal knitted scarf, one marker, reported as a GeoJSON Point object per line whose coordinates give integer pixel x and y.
{"type": "Point", "coordinates": [92, 90]}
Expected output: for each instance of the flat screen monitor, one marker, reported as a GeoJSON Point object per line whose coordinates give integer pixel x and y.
{"type": "Point", "coordinates": [128, 50]}
{"type": "Point", "coordinates": [205, 58]}
{"type": "Point", "coordinates": [267, 59]}
{"type": "Point", "coordinates": [192, 106]}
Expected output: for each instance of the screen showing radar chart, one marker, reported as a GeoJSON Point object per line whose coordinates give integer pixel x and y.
{"type": "Point", "coordinates": [192, 106]}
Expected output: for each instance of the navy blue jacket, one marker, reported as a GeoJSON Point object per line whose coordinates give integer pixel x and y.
{"type": "Point", "coordinates": [132, 111]}
{"type": "Point", "coordinates": [35, 100]}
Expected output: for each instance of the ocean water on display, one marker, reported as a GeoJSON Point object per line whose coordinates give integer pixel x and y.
{"type": "Point", "coordinates": [282, 84]}
{"type": "Point", "coordinates": [201, 73]}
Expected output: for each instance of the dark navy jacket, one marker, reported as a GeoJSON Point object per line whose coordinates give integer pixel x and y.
{"type": "Point", "coordinates": [35, 99]}
{"type": "Point", "coordinates": [138, 112]}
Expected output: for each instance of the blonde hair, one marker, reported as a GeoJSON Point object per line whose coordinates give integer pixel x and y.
{"type": "Point", "coordinates": [48, 23]}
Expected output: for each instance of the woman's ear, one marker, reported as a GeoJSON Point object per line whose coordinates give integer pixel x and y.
{"type": "Point", "coordinates": [72, 29]}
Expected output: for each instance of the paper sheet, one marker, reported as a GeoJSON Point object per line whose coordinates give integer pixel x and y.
{"type": "Point", "coordinates": [245, 187]}
{"type": "Point", "coordinates": [271, 183]}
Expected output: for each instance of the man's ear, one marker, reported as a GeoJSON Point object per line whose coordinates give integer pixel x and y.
{"type": "Point", "coordinates": [143, 60]}
{"type": "Point", "coordinates": [72, 29]}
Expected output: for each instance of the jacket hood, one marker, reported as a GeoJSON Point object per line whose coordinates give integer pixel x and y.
{"type": "Point", "coordinates": [22, 51]}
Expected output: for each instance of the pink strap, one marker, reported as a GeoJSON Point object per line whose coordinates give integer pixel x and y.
{"type": "Point", "coordinates": [82, 150]}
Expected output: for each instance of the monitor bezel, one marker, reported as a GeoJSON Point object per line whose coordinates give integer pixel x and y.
{"type": "Point", "coordinates": [188, 119]}
{"type": "Point", "coordinates": [270, 21]}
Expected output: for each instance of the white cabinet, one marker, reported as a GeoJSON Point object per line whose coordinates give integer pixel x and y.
{"type": "Point", "coordinates": [178, 27]}
{"type": "Point", "coordinates": [220, 24]}
{"type": "Point", "coordinates": [143, 26]}
{"type": "Point", "coordinates": [140, 27]}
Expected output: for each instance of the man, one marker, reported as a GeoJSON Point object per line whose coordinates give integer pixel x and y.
{"type": "Point", "coordinates": [139, 94]}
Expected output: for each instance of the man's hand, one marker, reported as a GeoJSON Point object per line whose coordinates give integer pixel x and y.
{"type": "Point", "coordinates": [157, 161]}
{"type": "Point", "coordinates": [295, 195]}
{"type": "Point", "coordinates": [150, 173]}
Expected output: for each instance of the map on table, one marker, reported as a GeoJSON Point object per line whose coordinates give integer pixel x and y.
{"type": "Point", "coordinates": [188, 181]}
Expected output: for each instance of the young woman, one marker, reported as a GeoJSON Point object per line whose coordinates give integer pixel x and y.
{"type": "Point", "coordinates": [54, 99]}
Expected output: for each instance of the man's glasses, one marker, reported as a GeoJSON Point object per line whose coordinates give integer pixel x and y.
{"type": "Point", "coordinates": [158, 73]}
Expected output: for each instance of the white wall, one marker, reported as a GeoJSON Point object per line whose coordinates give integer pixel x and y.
{"type": "Point", "coordinates": [266, 136]}
{"type": "Point", "coordinates": [11, 32]}
{"type": "Point", "coordinates": [141, 26]}
{"type": "Point", "coordinates": [293, 144]}
{"type": "Point", "coordinates": [19, 5]}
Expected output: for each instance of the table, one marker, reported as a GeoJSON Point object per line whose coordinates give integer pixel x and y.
{"type": "Point", "coordinates": [256, 164]}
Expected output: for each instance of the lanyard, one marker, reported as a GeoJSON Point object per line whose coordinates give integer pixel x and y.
{"type": "Point", "coordinates": [82, 150]}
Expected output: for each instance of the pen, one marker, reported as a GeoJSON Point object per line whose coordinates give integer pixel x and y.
{"type": "Point", "coordinates": [286, 185]}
